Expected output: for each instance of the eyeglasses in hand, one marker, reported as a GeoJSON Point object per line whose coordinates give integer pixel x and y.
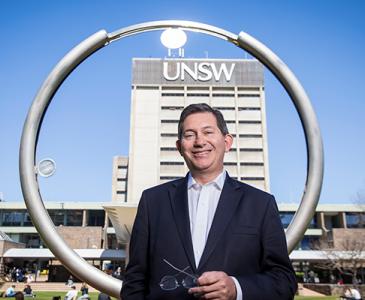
{"type": "Point", "coordinates": [170, 282]}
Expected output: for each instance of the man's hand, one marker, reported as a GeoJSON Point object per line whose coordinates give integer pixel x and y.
{"type": "Point", "coordinates": [215, 285]}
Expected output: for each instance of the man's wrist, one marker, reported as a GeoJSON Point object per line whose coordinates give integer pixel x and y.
{"type": "Point", "coordinates": [238, 288]}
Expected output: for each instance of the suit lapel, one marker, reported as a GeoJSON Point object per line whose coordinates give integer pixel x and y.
{"type": "Point", "coordinates": [228, 202]}
{"type": "Point", "coordinates": [179, 203]}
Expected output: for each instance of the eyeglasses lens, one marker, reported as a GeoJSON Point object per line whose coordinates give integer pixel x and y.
{"type": "Point", "coordinates": [168, 283]}
{"type": "Point", "coordinates": [189, 282]}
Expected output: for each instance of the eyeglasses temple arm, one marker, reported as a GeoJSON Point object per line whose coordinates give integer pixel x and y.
{"type": "Point", "coordinates": [177, 269]}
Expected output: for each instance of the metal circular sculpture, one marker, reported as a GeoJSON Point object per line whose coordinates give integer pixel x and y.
{"type": "Point", "coordinates": [28, 174]}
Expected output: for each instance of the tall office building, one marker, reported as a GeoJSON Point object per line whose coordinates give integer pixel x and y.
{"type": "Point", "coordinates": [161, 88]}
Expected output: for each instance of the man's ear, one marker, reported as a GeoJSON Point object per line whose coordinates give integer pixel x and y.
{"type": "Point", "coordinates": [178, 146]}
{"type": "Point", "coordinates": [228, 139]}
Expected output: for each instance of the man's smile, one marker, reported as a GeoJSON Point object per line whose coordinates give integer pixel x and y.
{"type": "Point", "coordinates": [201, 153]}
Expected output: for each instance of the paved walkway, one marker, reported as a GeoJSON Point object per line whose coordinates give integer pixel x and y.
{"type": "Point", "coordinates": [302, 291]}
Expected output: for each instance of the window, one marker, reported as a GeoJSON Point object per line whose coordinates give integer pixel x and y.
{"type": "Point", "coordinates": [223, 88]}
{"type": "Point", "coordinates": [169, 121]}
{"type": "Point", "coordinates": [355, 220]}
{"type": "Point", "coordinates": [169, 177]}
{"type": "Point", "coordinates": [172, 107]}
{"type": "Point", "coordinates": [248, 95]}
{"type": "Point", "coordinates": [146, 87]}
{"type": "Point", "coordinates": [249, 122]}
{"type": "Point", "coordinates": [251, 149]}
{"type": "Point", "coordinates": [248, 88]}
{"type": "Point", "coordinates": [96, 218]}
{"type": "Point", "coordinates": [252, 178]}
{"type": "Point", "coordinates": [223, 95]}
{"type": "Point", "coordinates": [250, 135]}
{"type": "Point", "coordinates": [12, 218]}
{"type": "Point", "coordinates": [27, 220]}
{"type": "Point", "coordinates": [74, 218]}
{"type": "Point", "coordinates": [251, 164]}
{"type": "Point", "coordinates": [31, 240]}
{"type": "Point", "coordinates": [224, 108]}
{"type": "Point", "coordinates": [168, 149]}
{"type": "Point", "coordinates": [171, 163]}
{"type": "Point", "coordinates": [198, 88]}
{"type": "Point", "coordinates": [308, 242]}
{"type": "Point", "coordinates": [286, 218]}
{"type": "Point", "coordinates": [58, 216]}
{"type": "Point", "coordinates": [248, 108]}
{"type": "Point", "coordinates": [198, 95]}
{"type": "Point", "coordinates": [313, 223]}
{"type": "Point", "coordinates": [172, 88]}
{"type": "Point", "coordinates": [173, 94]}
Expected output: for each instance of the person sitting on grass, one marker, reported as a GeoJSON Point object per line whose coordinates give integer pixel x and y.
{"type": "Point", "coordinates": [351, 294]}
{"type": "Point", "coordinates": [10, 291]}
{"type": "Point", "coordinates": [71, 294]}
{"type": "Point", "coordinates": [84, 291]}
{"type": "Point", "coordinates": [28, 292]}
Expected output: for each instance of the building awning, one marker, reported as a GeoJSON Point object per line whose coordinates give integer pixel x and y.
{"type": "Point", "coordinates": [88, 254]}
{"type": "Point", "coordinates": [319, 255]}
{"type": "Point", "coordinates": [122, 216]}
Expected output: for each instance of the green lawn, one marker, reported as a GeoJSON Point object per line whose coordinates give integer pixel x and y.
{"type": "Point", "coordinates": [316, 298]}
{"type": "Point", "coordinates": [94, 296]}
{"type": "Point", "coordinates": [50, 295]}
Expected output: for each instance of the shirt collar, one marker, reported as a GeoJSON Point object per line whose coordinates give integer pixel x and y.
{"type": "Point", "coordinates": [218, 181]}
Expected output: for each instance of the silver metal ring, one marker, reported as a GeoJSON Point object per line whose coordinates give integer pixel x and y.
{"type": "Point", "coordinates": [41, 220]}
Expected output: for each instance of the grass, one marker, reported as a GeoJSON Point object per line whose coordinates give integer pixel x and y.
{"type": "Point", "coordinates": [41, 295]}
{"type": "Point", "coordinates": [316, 298]}
{"type": "Point", "coordinates": [94, 296]}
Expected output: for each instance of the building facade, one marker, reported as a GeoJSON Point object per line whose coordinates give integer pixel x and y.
{"type": "Point", "coordinates": [161, 88]}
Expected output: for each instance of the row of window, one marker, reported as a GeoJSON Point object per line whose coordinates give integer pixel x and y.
{"type": "Point", "coordinates": [242, 178]}
{"type": "Point", "coordinates": [59, 217]}
{"type": "Point", "coordinates": [232, 149]}
{"type": "Point", "coordinates": [97, 217]}
{"type": "Point", "coordinates": [353, 220]}
{"type": "Point", "coordinates": [233, 134]}
{"type": "Point", "coordinates": [227, 121]}
{"type": "Point", "coordinates": [195, 88]}
{"type": "Point", "coordinates": [180, 163]}
{"type": "Point", "coordinates": [223, 95]}
{"type": "Point", "coordinates": [232, 108]}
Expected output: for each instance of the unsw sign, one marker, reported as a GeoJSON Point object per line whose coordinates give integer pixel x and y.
{"type": "Point", "coordinates": [198, 71]}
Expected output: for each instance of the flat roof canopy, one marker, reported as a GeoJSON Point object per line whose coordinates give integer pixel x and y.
{"type": "Point", "coordinates": [319, 255]}
{"type": "Point", "coordinates": [88, 254]}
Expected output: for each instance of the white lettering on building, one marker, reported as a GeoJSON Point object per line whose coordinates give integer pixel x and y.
{"type": "Point", "coordinates": [203, 71]}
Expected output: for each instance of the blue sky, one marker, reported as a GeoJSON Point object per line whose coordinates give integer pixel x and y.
{"type": "Point", "coordinates": [323, 42]}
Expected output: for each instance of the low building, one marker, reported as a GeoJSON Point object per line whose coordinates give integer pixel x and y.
{"type": "Point", "coordinates": [88, 226]}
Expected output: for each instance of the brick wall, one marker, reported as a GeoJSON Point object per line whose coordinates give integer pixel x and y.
{"type": "Point", "coordinates": [349, 239]}
{"type": "Point", "coordinates": [78, 237]}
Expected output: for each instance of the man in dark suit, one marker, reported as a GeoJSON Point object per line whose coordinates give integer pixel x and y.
{"type": "Point", "coordinates": [207, 235]}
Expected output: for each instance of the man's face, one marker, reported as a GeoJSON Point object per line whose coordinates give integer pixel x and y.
{"type": "Point", "coordinates": [202, 144]}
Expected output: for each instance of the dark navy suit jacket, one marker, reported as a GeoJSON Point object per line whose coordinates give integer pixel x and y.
{"type": "Point", "coordinates": [246, 240]}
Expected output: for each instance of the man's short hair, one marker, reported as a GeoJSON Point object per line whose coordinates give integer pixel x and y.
{"type": "Point", "coordinates": [201, 108]}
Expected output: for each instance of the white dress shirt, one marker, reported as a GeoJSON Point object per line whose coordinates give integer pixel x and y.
{"type": "Point", "coordinates": [203, 201]}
